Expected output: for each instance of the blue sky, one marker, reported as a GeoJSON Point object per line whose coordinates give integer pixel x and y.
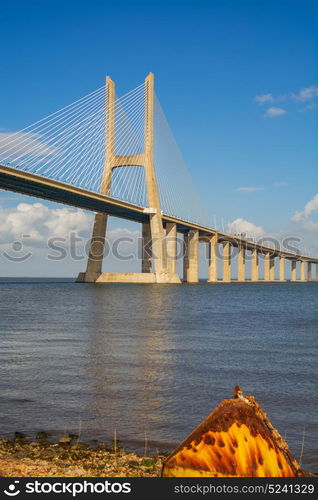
{"type": "Point", "coordinates": [211, 60]}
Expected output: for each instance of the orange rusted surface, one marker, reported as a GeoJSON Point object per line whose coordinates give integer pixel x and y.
{"type": "Point", "coordinates": [235, 440]}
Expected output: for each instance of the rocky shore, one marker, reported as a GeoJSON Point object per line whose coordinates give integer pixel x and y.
{"type": "Point", "coordinates": [20, 457]}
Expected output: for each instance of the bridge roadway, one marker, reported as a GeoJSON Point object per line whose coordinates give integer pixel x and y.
{"type": "Point", "coordinates": [13, 179]}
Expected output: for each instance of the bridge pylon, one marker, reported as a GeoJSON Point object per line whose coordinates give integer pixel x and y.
{"type": "Point", "coordinates": [155, 267]}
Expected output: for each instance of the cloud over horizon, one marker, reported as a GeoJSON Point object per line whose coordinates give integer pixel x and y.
{"type": "Point", "coordinates": [310, 208]}
{"type": "Point", "coordinates": [37, 222]}
{"type": "Point", "coordinates": [279, 184]}
{"type": "Point", "coordinates": [248, 189]}
{"type": "Point", "coordinates": [306, 94]}
{"type": "Point", "coordinates": [243, 226]}
{"type": "Point", "coordinates": [273, 112]}
{"type": "Point", "coordinates": [305, 225]}
{"type": "Point", "coordinates": [264, 98]}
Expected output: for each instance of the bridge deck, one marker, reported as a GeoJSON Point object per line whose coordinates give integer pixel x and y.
{"type": "Point", "coordinates": [13, 179]}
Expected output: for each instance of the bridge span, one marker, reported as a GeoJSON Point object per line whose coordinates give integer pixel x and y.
{"type": "Point", "coordinates": [30, 184]}
{"type": "Point", "coordinates": [117, 157]}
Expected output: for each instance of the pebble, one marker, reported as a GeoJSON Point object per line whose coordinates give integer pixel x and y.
{"type": "Point", "coordinates": [65, 440]}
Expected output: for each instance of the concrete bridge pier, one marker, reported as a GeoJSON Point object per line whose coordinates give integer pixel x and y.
{"type": "Point", "coordinates": [171, 250]}
{"type": "Point", "coordinates": [266, 266]}
{"type": "Point", "coordinates": [213, 258]}
{"type": "Point", "coordinates": [254, 265]}
{"type": "Point", "coordinates": [293, 270]}
{"type": "Point", "coordinates": [146, 265]}
{"type": "Point", "coordinates": [282, 268]}
{"type": "Point", "coordinates": [226, 261]}
{"type": "Point", "coordinates": [241, 263]}
{"type": "Point", "coordinates": [96, 252]}
{"type": "Point", "coordinates": [309, 271]}
{"type": "Point", "coordinates": [191, 256]}
{"type": "Point", "coordinates": [302, 271]}
{"type": "Point", "coordinates": [159, 255]}
{"type": "Point", "coordinates": [272, 268]}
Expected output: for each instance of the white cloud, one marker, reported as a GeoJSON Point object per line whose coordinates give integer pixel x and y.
{"type": "Point", "coordinates": [13, 145]}
{"type": "Point", "coordinates": [309, 209]}
{"type": "Point", "coordinates": [311, 226]}
{"type": "Point", "coordinates": [264, 98]}
{"type": "Point", "coordinates": [306, 94]}
{"type": "Point", "coordinates": [303, 95]}
{"type": "Point", "coordinates": [240, 225]}
{"type": "Point", "coordinates": [305, 227]}
{"type": "Point", "coordinates": [37, 222]}
{"type": "Point", "coordinates": [272, 112]}
{"type": "Point", "coordinates": [63, 220]}
{"type": "Point", "coordinates": [280, 184]}
{"type": "Point", "coordinates": [249, 189]}
{"type": "Point", "coordinates": [311, 106]}
{"type": "Point", "coordinates": [121, 232]}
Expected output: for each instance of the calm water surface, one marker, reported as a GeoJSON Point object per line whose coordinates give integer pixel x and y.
{"type": "Point", "coordinates": [155, 360]}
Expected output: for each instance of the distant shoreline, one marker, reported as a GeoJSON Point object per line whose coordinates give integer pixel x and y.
{"type": "Point", "coordinates": [41, 279]}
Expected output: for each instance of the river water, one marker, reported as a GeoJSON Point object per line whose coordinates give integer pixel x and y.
{"type": "Point", "coordinates": [153, 361]}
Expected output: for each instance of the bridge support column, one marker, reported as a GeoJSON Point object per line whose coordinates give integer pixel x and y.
{"type": "Point", "coordinates": [282, 268]}
{"type": "Point", "coordinates": [254, 265]}
{"type": "Point", "coordinates": [191, 257]}
{"type": "Point", "coordinates": [146, 266]}
{"type": "Point", "coordinates": [316, 271]}
{"type": "Point", "coordinates": [241, 263]}
{"type": "Point", "coordinates": [171, 242]}
{"type": "Point", "coordinates": [272, 268]}
{"type": "Point", "coordinates": [153, 231]}
{"type": "Point", "coordinates": [94, 266]}
{"type": "Point", "coordinates": [309, 271]}
{"type": "Point", "coordinates": [96, 252]}
{"type": "Point", "coordinates": [213, 258]}
{"type": "Point", "coordinates": [226, 261]}
{"type": "Point", "coordinates": [185, 255]}
{"type": "Point", "coordinates": [267, 266]}
{"type": "Point", "coordinates": [302, 271]}
{"type": "Point", "coordinates": [293, 270]}
{"type": "Point", "coordinates": [158, 243]}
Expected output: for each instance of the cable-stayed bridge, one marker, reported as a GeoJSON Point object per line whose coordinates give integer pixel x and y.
{"type": "Point", "coordinates": [117, 157]}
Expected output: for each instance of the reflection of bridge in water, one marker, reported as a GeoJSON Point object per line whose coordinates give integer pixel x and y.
{"type": "Point", "coordinates": [117, 157]}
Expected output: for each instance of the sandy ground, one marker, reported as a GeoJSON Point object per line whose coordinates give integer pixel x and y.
{"type": "Point", "coordinates": [21, 458]}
